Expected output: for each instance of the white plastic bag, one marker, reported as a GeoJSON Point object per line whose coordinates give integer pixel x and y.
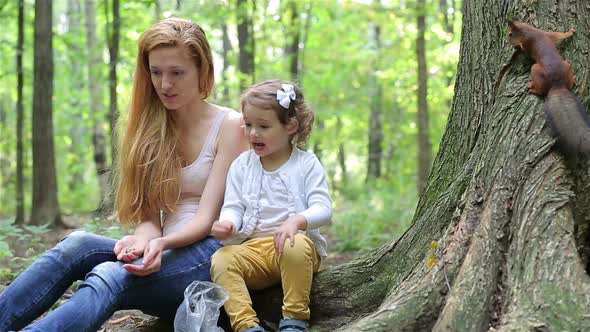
{"type": "Point", "coordinates": [200, 309]}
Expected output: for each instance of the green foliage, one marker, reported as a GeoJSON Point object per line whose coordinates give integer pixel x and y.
{"type": "Point", "coordinates": [364, 219]}
{"type": "Point", "coordinates": [19, 247]}
{"type": "Point", "coordinates": [335, 65]}
{"type": "Point", "coordinates": [99, 226]}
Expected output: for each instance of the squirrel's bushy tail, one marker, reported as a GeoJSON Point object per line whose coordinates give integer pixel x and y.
{"type": "Point", "coordinates": [568, 121]}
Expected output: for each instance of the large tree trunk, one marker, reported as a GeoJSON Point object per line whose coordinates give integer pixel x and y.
{"type": "Point", "coordinates": [504, 206]}
{"type": "Point", "coordinates": [45, 208]}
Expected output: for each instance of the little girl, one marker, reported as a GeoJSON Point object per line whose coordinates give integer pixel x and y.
{"type": "Point", "coordinates": [276, 198]}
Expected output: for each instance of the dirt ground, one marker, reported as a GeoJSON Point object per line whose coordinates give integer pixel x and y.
{"type": "Point", "coordinates": [126, 320]}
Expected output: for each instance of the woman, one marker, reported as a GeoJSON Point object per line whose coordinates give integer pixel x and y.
{"type": "Point", "coordinates": [174, 157]}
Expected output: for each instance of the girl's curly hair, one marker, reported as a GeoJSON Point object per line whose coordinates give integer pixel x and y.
{"type": "Point", "coordinates": [264, 96]}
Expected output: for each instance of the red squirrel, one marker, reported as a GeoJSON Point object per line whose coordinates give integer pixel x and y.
{"type": "Point", "coordinates": [553, 78]}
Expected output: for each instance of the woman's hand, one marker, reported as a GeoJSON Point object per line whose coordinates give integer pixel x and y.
{"type": "Point", "coordinates": [288, 229]}
{"type": "Point", "coordinates": [152, 259]}
{"type": "Point", "coordinates": [129, 248]}
{"type": "Point", "coordinates": [222, 230]}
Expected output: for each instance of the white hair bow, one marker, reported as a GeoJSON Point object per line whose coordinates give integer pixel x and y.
{"type": "Point", "coordinates": [286, 95]}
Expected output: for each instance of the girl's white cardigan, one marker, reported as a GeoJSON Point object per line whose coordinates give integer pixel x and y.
{"type": "Point", "coordinates": [307, 191]}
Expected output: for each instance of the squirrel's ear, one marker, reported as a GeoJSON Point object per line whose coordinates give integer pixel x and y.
{"type": "Point", "coordinates": [512, 24]}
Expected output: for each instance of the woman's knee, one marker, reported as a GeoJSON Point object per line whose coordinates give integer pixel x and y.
{"type": "Point", "coordinates": [110, 276]}
{"type": "Point", "coordinates": [74, 243]}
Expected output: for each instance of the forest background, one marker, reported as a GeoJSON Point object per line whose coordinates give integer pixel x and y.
{"type": "Point", "coordinates": [379, 74]}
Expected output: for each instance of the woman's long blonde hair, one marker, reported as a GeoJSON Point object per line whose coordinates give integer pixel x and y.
{"type": "Point", "coordinates": [147, 177]}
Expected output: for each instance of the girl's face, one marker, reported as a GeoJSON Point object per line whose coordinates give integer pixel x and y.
{"type": "Point", "coordinates": [268, 137]}
{"type": "Point", "coordinates": [174, 76]}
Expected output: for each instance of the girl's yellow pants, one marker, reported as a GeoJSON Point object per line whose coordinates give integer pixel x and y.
{"type": "Point", "coordinates": [254, 264]}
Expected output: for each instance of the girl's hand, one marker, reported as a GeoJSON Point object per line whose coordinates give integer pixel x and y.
{"type": "Point", "coordinates": [152, 259]}
{"type": "Point", "coordinates": [287, 231]}
{"type": "Point", "coordinates": [129, 248]}
{"type": "Point", "coordinates": [222, 230]}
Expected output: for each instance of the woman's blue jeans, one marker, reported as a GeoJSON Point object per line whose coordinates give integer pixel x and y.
{"type": "Point", "coordinates": [107, 287]}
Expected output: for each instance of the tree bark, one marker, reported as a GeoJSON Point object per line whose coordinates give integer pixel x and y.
{"type": "Point", "coordinates": [20, 197]}
{"type": "Point", "coordinates": [507, 212]}
{"type": "Point", "coordinates": [45, 207]}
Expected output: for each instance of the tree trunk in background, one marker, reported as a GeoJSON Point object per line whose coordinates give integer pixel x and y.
{"type": "Point", "coordinates": [157, 9]}
{"type": "Point", "coordinates": [307, 14]}
{"type": "Point", "coordinates": [292, 48]}
{"type": "Point", "coordinates": [5, 149]}
{"type": "Point", "coordinates": [424, 146]}
{"type": "Point", "coordinates": [375, 115]}
{"type": "Point", "coordinates": [45, 208]}
{"type": "Point", "coordinates": [20, 197]}
{"type": "Point", "coordinates": [506, 210]}
{"type": "Point", "coordinates": [448, 17]}
{"type": "Point", "coordinates": [342, 156]}
{"type": "Point", "coordinates": [388, 159]}
{"type": "Point", "coordinates": [246, 44]}
{"type": "Point", "coordinates": [227, 48]}
{"type": "Point", "coordinates": [77, 127]}
{"type": "Point", "coordinates": [97, 115]}
{"type": "Point", "coordinates": [113, 42]}
{"type": "Point", "coordinates": [317, 146]}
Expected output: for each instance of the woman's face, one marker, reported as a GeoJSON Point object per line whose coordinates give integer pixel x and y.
{"type": "Point", "coordinates": [174, 76]}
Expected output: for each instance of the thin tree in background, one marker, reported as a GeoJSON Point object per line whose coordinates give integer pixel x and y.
{"type": "Point", "coordinates": [45, 207]}
{"type": "Point", "coordinates": [157, 9]}
{"type": "Point", "coordinates": [20, 204]}
{"type": "Point", "coordinates": [342, 156]}
{"type": "Point", "coordinates": [292, 48]}
{"type": "Point", "coordinates": [448, 12]}
{"type": "Point", "coordinates": [113, 36]}
{"type": "Point", "coordinates": [246, 43]}
{"type": "Point", "coordinates": [96, 104]}
{"type": "Point", "coordinates": [227, 48]}
{"type": "Point", "coordinates": [375, 101]}
{"type": "Point", "coordinates": [77, 128]}
{"type": "Point", "coordinates": [303, 40]}
{"type": "Point", "coordinates": [424, 145]}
